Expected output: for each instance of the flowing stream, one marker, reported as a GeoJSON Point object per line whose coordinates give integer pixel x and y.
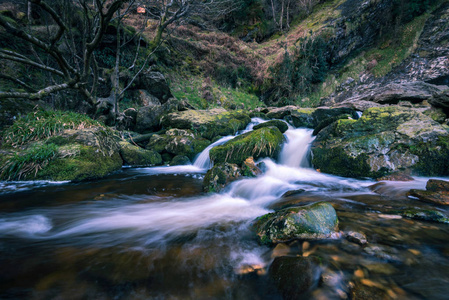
{"type": "Point", "coordinates": [152, 233]}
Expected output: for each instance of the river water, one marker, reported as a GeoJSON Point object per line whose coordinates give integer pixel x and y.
{"type": "Point", "coordinates": [152, 233]}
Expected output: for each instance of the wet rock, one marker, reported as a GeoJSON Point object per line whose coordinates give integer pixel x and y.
{"type": "Point", "coordinates": [209, 124]}
{"type": "Point", "coordinates": [292, 193]}
{"type": "Point", "coordinates": [294, 276]}
{"type": "Point", "coordinates": [280, 112]}
{"type": "Point", "coordinates": [320, 117]}
{"type": "Point", "coordinates": [137, 157]}
{"type": "Point", "coordinates": [180, 160]}
{"type": "Point", "coordinates": [316, 221]}
{"type": "Point", "coordinates": [264, 142]}
{"type": "Point", "coordinates": [426, 215]}
{"type": "Point", "coordinates": [250, 169]}
{"type": "Point", "coordinates": [383, 252]}
{"type": "Point", "coordinates": [280, 250]}
{"type": "Point", "coordinates": [383, 141]}
{"type": "Point", "coordinates": [282, 126]}
{"type": "Point", "coordinates": [83, 154]}
{"type": "Point", "coordinates": [178, 142]}
{"type": "Point", "coordinates": [367, 289]}
{"type": "Point", "coordinates": [356, 237]}
{"type": "Point", "coordinates": [437, 192]}
{"type": "Point", "coordinates": [396, 177]}
{"type": "Point", "coordinates": [220, 176]}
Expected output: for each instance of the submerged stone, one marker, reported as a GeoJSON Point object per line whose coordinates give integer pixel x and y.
{"type": "Point", "coordinates": [294, 276]}
{"type": "Point", "coordinates": [426, 215]}
{"type": "Point", "coordinates": [316, 221]}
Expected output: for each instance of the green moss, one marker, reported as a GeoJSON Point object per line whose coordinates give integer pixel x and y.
{"type": "Point", "coordinates": [282, 126]}
{"type": "Point", "coordinates": [89, 164]}
{"type": "Point", "coordinates": [136, 156]}
{"type": "Point", "coordinates": [264, 142]}
{"type": "Point", "coordinates": [426, 215]}
{"type": "Point", "coordinates": [336, 161]}
{"type": "Point", "coordinates": [434, 157]}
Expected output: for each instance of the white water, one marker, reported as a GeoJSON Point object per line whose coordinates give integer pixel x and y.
{"type": "Point", "coordinates": [132, 218]}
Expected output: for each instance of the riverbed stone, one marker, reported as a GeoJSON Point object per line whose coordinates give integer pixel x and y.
{"type": "Point", "coordinates": [426, 215]}
{"type": "Point", "coordinates": [437, 192]}
{"type": "Point", "coordinates": [135, 156]}
{"type": "Point", "coordinates": [208, 123]}
{"type": "Point", "coordinates": [316, 221]}
{"type": "Point", "coordinates": [383, 141]}
{"type": "Point", "coordinates": [178, 142]}
{"type": "Point", "coordinates": [263, 142]}
{"type": "Point", "coordinates": [219, 176]}
{"type": "Point", "coordinates": [294, 275]}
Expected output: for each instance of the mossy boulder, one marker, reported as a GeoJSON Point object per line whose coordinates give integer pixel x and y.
{"type": "Point", "coordinates": [282, 126]}
{"type": "Point", "coordinates": [383, 141]}
{"type": "Point", "coordinates": [149, 117]}
{"type": "Point", "coordinates": [316, 221]}
{"type": "Point", "coordinates": [135, 156]}
{"type": "Point", "coordinates": [178, 142]}
{"type": "Point", "coordinates": [208, 123]}
{"type": "Point", "coordinates": [264, 142]}
{"type": "Point", "coordinates": [320, 117]}
{"type": "Point", "coordinates": [180, 160]}
{"type": "Point", "coordinates": [220, 176]}
{"type": "Point", "coordinates": [83, 154]}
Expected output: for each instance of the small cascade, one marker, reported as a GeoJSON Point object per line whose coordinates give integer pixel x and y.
{"type": "Point", "coordinates": [202, 161]}
{"type": "Point", "coordinates": [296, 152]}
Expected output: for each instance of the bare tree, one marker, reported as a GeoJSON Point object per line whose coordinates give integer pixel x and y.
{"type": "Point", "coordinates": [175, 12]}
{"type": "Point", "coordinates": [68, 60]}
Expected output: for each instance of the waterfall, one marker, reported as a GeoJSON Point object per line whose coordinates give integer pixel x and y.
{"type": "Point", "coordinates": [202, 161]}
{"type": "Point", "coordinates": [295, 152]}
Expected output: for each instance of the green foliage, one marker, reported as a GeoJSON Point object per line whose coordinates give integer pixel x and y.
{"type": "Point", "coordinates": [42, 124]}
{"type": "Point", "coordinates": [405, 10]}
{"type": "Point", "coordinates": [297, 73]}
{"type": "Point", "coordinates": [21, 165]}
{"type": "Point", "coordinates": [234, 77]}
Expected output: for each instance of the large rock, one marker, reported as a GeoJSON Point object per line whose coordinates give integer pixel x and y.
{"type": "Point", "coordinates": [264, 142]}
{"type": "Point", "coordinates": [82, 154]}
{"type": "Point", "coordinates": [208, 123]}
{"type": "Point", "coordinates": [155, 84]}
{"type": "Point", "coordinates": [282, 126]}
{"type": "Point", "coordinates": [149, 117]}
{"type": "Point", "coordinates": [316, 221]}
{"type": "Point", "coordinates": [437, 192]}
{"type": "Point", "coordinates": [293, 275]}
{"type": "Point", "coordinates": [384, 140]}
{"type": "Point", "coordinates": [137, 157]}
{"type": "Point", "coordinates": [178, 142]}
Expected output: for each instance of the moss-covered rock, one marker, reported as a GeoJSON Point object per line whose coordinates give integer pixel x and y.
{"type": "Point", "coordinates": [264, 142]}
{"type": "Point", "coordinates": [282, 126]}
{"type": "Point", "coordinates": [220, 176]}
{"type": "Point", "coordinates": [178, 142]}
{"type": "Point", "coordinates": [316, 221]}
{"type": "Point", "coordinates": [383, 141]}
{"type": "Point", "coordinates": [137, 157]}
{"type": "Point", "coordinates": [320, 117]}
{"type": "Point", "coordinates": [209, 124]}
{"type": "Point", "coordinates": [180, 160]}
